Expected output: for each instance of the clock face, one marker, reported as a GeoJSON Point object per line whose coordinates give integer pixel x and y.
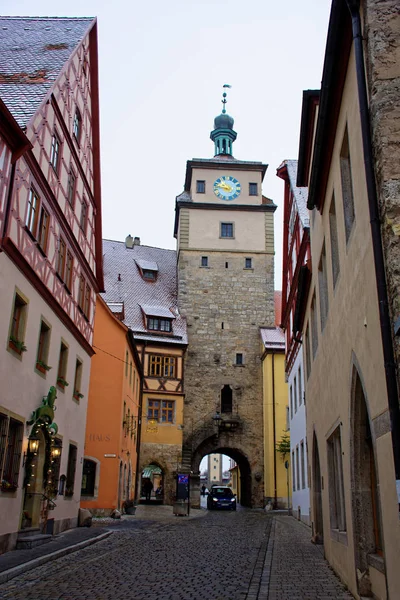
{"type": "Point", "coordinates": [227, 187]}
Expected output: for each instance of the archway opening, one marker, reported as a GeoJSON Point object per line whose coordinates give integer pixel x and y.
{"type": "Point", "coordinates": [237, 474]}
{"type": "Point", "coordinates": [365, 492]}
{"type": "Point", "coordinates": [318, 523]}
{"type": "Point", "coordinates": [152, 484]}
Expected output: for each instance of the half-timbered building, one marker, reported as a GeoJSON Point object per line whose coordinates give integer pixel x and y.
{"type": "Point", "coordinates": [50, 266]}
{"type": "Point", "coordinates": [143, 280]}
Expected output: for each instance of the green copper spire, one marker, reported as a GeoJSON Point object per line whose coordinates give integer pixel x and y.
{"type": "Point", "coordinates": [223, 135]}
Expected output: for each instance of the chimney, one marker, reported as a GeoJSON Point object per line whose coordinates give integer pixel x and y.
{"type": "Point", "coordinates": [129, 241]}
{"type": "Point", "coordinates": [136, 241]}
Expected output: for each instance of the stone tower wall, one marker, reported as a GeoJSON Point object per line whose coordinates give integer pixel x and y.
{"type": "Point", "coordinates": [242, 300]}
{"type": "Point", "coordinates": [382, 53]}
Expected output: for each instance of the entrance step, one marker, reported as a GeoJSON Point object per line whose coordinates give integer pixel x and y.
{"type": "Point", "coordinates": [27, 531]}
{"type": "Point", "coordinates": [31, 541]}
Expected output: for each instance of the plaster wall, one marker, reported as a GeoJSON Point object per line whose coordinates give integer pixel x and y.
{"type": "Point", "coordinates": [249, 230]}
{"type": "Point", "coordinates": [271, 457]}
{"type": "Point", "coordinates": [210, 175]}
{"type": "Point", "coordinates": [114, 390]}
{"type": "Point", "coordinates": [23, 388]}
{"type": "Point", "coordinates": [298, 434]}
{"type": "Point", "coordinates": [350, 339]}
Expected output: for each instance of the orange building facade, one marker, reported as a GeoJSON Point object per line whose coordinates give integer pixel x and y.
{"type": "Point", "coordinates": [109, 476]}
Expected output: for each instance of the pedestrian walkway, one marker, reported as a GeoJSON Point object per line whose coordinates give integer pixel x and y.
{"type": "Point", "coordinates": [15, 562]}
{"type": "Point", "coordinates": [293, 568]}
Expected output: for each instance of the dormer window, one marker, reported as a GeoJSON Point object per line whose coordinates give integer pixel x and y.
{"type": "Point", "coordinates": [147, 274]}
{"type": "Point", "coordinates": [156, 324]}
{"type": "Point", "coordinates": [147, 269]}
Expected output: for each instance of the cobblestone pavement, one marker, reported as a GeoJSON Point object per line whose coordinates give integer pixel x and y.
{"type": "Point", "coordinates": [221, 556]}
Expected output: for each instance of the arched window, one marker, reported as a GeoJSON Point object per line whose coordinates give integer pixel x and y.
{"type": "Point", "coordinates": [226, 399]}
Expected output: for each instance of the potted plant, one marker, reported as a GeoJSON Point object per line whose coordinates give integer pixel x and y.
{"type": "Point", "coordinates": [8, 486]}
{"type": "Point", "coordinates": [61, 382]}
{"type": "Point", "coordinates": [129, 507]}
{"type": "Point", "coordinates": [16, 345]}
{"type": "Point", "coordinates": [42, 366]}
{"type": "Point", "coordinates": [78, 395]}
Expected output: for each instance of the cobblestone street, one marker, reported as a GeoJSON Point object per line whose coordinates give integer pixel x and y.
{"type": "Point", "coordinates": [247, 555]}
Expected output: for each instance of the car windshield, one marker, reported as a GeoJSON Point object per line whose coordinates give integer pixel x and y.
{"type": "Point", "coordinates": [221, 492]}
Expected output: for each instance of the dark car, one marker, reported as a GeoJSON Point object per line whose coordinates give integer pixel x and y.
{"type": "Point", "coordinates": [221, 496]}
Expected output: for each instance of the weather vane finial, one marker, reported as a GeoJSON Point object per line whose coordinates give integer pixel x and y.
{"type": "Point", "coordinates": [224, 100]}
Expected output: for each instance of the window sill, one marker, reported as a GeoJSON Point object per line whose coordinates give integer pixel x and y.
{"type": "Point", "coordinates": [377, 562]}
{"type": "Point", "coordinates": [225, 237]}
{"type": "Point", "coordinates": [248, 268]}
{"type": "Point", "coordinates": [55, 171]}
{"type": "Point", "coordinates": [59, 277]}
{"type": "Point", "coordinates": [29, 232]}
{"type": "Point", "coordinates": [235, 365]}
{"type": "Point", "coordinates": [83, 314]}
{"type": "Point", "coordinates": [339, 536]}
{"type": "Point", "coordinates": [40, 371]}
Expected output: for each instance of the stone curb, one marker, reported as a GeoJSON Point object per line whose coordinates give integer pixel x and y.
{"type": "Point", "coordinates": [37, 562]}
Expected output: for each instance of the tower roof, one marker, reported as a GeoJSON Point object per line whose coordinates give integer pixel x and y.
{"type": "Point", "coordinates": [223, 134]}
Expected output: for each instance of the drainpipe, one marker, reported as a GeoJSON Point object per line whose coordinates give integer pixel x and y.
{"type": "Point", "coordinates": [386, 333]}
{"type": "Point", "coordinates": [274, 428]}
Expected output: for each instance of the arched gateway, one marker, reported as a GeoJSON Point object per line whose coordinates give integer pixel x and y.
{"type": "Point", "coordinates": [225, 241]}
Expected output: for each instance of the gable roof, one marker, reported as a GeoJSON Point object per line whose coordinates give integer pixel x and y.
{"type": "Point", "coordinates": [33, 51]}
{"type": "Point", "coordinates": [124, 283]}
{"type": "Point", "coordinates": [272, 338]}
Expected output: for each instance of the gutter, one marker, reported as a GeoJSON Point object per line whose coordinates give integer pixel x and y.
{"type": "Point", "coordinates": [384, 317]}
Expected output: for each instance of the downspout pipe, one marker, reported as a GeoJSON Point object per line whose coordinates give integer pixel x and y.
{"type": "Point", "coordinates": [384, 316]}
{"type": "Point", "coordinates": [274, 428]}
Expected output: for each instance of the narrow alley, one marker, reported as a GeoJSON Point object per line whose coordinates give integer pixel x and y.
{"type": "Point", "coordinates": [244, 555]}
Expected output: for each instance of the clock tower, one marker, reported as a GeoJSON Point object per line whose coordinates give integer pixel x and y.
{"type": "Point", "coordinates": [225, 243]}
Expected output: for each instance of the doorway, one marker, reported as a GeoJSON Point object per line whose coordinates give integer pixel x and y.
{"type": "Point", "coordinates": [317, 495]}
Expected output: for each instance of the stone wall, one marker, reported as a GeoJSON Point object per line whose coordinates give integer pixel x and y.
{"type": "Point", "coordinates": [382, 34]}
{"type": "Point", "coordinates": [225, 304]}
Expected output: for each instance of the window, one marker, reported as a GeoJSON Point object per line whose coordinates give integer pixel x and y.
{"type": "Point", "coordinates": [126, 363]}
{"type": "Point", "coordinates": [77, 125]}
{"type": "Point", "coordinates": [287, 419]}
{"type": "Point", "coordinates": [156, 324]}
{"type": "Point", "coordinates": [55, 152]}
{"type": "Point", "coordinates": [308, 352]}
{"type": "Point", "coordinates": [88, 477]}
{"type": "Point", "coordinates": [71, 188]}
{"type": "Point", "coordinates": [226, 230]}
{"type": "Point", "coordinates": [226, 399]}
{"type": "Point", "coordinates": [43, 348]}
{"type": "Point", "coordinates": [44, 223]}
{"type": "Point", "coordinates": [62, 366]}
{"type": "Point", "coordinates": [200, 186]}
{"type": "Point", "coordinates": [226, 265]}
{"type": "Point", "coordinates": [162, 366]}
{"type": "Point", "coordinates": [62, 250]}
{"type": "Point", "coordinates": [295, 394]}
{"type": "Point", "coordinates": [204, 261]}
{"type": "Point", "coordinates": [167, 411]}
{"type": "Point", "coordinates": [293, 472]}
{"type": "Point", "coordinates": [55, 459]}
{"type": "Point", "coordinates": [68, 270]}
{"type": "Point", "coordinates": [347, 186]}
{"type": "Point", "coordinates": [334, 242]}
{"type": "Point", "coordinates": [17, 329]}
{"type": "Point", "coordinates": [291, 402]}
{"type": "Point", "coordinates": [248, 263]}
{"type": "Point", "coordinates": [84, 296]}
{"type": "Point", "coordinates": [297, 468]}
{"type": "Point", "coordinates": [323, 289]}
{"type": "Point", "coordinates": [153, 409]}
{"type": "Point", "coordinates": [239, 359]}
{"type": "Point", "coordinates": [253, 189]}
{"type": "Point", "coordinates": [149, 275]}
{"type": "Point", "coordinates": [300, 387]}
{"type": "Point", "coordinates": [11, 436]}
{"type": "Point", "coordinates": [78, 379]}
{"type": "Point", "coordinates": [314, 331]}
{"type": "Point", "coordinates": [302, 465]}
{"type": "Point", "coordinates": [336, 488]}
{"type": "Point", "coordinates": [130, 373]}
{"type": "Point", "coordinates": [84, 213]}
{"type": "Point", "coordinates": [71, 468]}
{"type": "Point", "coordinates": [32, 214]}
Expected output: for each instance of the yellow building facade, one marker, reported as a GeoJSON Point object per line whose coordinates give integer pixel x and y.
{"type": "Point", "coordinates": [277, 490]}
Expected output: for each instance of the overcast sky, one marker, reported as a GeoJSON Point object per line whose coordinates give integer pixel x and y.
{"type": "Point", "coordinates": [162, 67]}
